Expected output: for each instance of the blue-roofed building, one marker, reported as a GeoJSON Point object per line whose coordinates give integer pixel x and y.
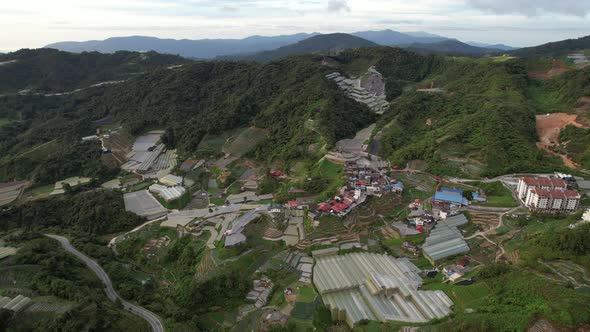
{"type": "Point", "coordinates": [450, 198]}
{"type": "Point", "coordinates": [452, 190]}
{"type": "Point", "coordinates": [479, 198]}
{"type": "Point", "coordinates": [397, 187]}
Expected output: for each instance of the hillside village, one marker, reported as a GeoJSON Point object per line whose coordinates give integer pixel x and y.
{"type": "Point", "coordinates": [443, 230]}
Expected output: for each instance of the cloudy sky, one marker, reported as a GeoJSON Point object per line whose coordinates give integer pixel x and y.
{"type": "Point", "coordinates": [35, 23]}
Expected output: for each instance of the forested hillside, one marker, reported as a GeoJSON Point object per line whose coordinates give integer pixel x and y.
{"type": "Point", "coordinates": [451, 47]}
{"type": "Point", "coordinates": [555, 48]}
{"type": "Point", "coordinates": [486, 115]}
{"type": "Point", "coordinates": [199, 98]}
{"type": "Point", "coordinates": [483, 118]}
{"type": "Point", "coordinates": [49, 70]}
{"type": "Point", "coordinates": [92, 213]}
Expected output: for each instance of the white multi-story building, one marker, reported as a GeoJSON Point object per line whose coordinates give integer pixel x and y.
{"type": "Point", "coordinates": [550, 194]}
{"type": "Point", "coordinates": [554, 200]}
{"type": "Point", "coordinates": [527, 183]}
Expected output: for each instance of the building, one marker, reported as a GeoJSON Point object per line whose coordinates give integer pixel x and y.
{"type": "Point", "coordinates": [16, 304]}
{"type": "Point", "coordinates": [586, 215]}
{"type": "Point", "coordinates": [445, 239]}
{"type": "Point", "coordinates": [73, 182]}
{"type": "Point", "coordinates": [370, 286]}
{"type": "Point", "coordinates": [144, 204]}
{"type": "Point", "coordinates": [525, 184]}
{"type": "Point", "coordinates": [171, 180]}
{"type": "Point", "coordinates": [167, 193]}
{"type": "Point", "coordinates": [477, 197]}
{"type": "Point", "coordinates": [547, 194]}
{"type": "Point", "coordinates": [234, 236]}
{"type": "Point", "coordinates": [450, 196]}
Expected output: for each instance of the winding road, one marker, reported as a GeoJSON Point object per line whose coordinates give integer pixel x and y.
{"type": "Point", "coordinates": [150, 317]}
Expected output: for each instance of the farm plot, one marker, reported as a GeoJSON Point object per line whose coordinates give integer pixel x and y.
{"type": "Point", "coordinates": [144, 204]}
{"type": "Point", "coordinates": [484, 221]}
{"type": "Point", "coordinates": [329, 226]}
{"type": "Point", "coordinates": [49, 304]}
{"type": "Point", "coordinates": [10, 191]}
{"type": "Point", "coordinates": [303, 311]}
{"type": "Point", "coordinates": [119, 145]}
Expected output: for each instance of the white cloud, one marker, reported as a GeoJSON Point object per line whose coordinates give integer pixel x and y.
{"type": "Point", "coordinates": [533, 7]}
{"type": "Point", "coordinates": [335, 6]}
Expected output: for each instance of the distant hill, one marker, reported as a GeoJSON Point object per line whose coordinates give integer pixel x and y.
{"type": "Point", "coordinates": [211, 48]}
{"type": "Point", "coordinates": [238, 48]}
{"type": "Point", "coordinates": [451, 47]}
{"type": "Point", "coordinates": [555, 48]}
{"type": "Point", "coordinates": [49, 70]}
{"type": "Point", "coordinates": [494, 46]}
{"type": "Point", "coordinates": [394, 38]}
{"type": "Point", "coordinates": [198, 49]}
{"type": "Point", "coordinates": [323, 44]}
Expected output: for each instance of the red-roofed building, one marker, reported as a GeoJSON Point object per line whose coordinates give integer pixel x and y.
{"type": "Point", "coordinates": [558, 184]}
{"type": "Point", "coordinates": [553, 200]}
{"type": "Point", "coordinates": [547, 193]}
{"type": "Point", "coordinates": [293, 204]}
{"type": "Point", "coordinates": [324, 207]}
{"type": "Point", "coordinates": [337, 208]}
{"type": "Point", "coordinates": [277, 173]}
{"type": "Point", "coordinates": [545, 183]}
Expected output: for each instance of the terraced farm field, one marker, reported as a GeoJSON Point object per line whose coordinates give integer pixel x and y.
{"type": "Point", "coordinates": [329, 225]}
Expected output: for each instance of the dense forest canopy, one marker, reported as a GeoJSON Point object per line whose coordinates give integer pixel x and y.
{"type": "Point", "coordinates": [49, 70]}
{"type": "Point", "coordinates": [96, 212]}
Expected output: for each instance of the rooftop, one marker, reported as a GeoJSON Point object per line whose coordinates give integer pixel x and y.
{"type": "Point", "coordinates": [377, 287]}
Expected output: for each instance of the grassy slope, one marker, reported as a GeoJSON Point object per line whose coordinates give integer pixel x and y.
{"type": "Point", "coordinates": [498, 195]}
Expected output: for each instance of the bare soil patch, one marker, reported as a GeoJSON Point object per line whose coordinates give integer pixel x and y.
{"type": "Point", "coordinates": [549, 127]}
{"type": "Point", "coordinates": [119, 145]}
{"type": "Point", "coordinates": [557, 69]}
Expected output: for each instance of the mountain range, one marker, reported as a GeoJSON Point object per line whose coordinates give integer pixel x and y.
{"type": "Point", "coordinates": [325, 44]}
{"type": "Point", "coordinates": [452, 47]}
{"type": "Point", "coordinates": [557, 48]}
{"type": "Point", "coordinates": [211, 48]}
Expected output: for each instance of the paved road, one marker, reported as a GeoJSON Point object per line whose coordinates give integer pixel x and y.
{"type": "Point", "coordinates": [150, 317]}
{"type": "Point", "coordinates": [212, 238]}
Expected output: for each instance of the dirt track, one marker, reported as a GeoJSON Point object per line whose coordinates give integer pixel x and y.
{"type": "Point", "coordinates": [549, 127]}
